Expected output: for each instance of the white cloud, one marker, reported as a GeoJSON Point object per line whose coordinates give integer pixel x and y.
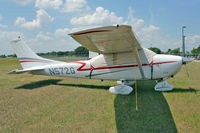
{"type": "Point", "coordinates": [54, 44]}
{"type": "Point", "coordinates": [48, 4]}
{"type": "Point", "coordinates": [101, 16]}
{"type": "Point", "coordinates": [42, 37]}
{"type": "Point", "coordinates": [23, 2]}
{"type": "Point", "coordinates": [5, 38]}
{"type": "Point", "coordinates": [136, 23]}
{"type": "Point", "coordinates": [193, 39]}
{"type": "Point", "coordinates": [150, 28]}
{"type": "Point", "coordinates": [8, 36]}
{"type": "Point", "coordinates": [62, 33]}
{"type": "Point", "coordinates": [41, 21]}
{"type": "Point", "coordinates": [191, 42]}
{"type": "Point", "coordinates": [147, 34]}
{"type": "Point", "coordinates": [74, 6]}
{"type": "Point", "coordinates": [3, 26]}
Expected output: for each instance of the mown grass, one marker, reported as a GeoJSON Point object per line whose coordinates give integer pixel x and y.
{"type": "Point", "coordinates": [61, 104]}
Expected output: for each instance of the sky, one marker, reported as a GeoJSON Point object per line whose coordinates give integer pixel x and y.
{"type": "Point", "coordinates": [45, 24]}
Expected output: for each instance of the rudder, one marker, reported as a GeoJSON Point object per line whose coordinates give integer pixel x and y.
{"type": "Point", "coordinates": [27, 57]}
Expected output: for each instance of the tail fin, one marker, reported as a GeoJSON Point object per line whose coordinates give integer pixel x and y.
{"type": "Point", "coordinates": [27, 57]}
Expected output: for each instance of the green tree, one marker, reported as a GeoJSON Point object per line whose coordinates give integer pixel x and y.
{"type": "Point", "coordinates": [3, 56]}
{"type": "Point", "coordinates": [175, 51]}
{"type": "Point", "coordinates": [156, 50]}
{"type": "Point", "coordinates": [81, 51]}
{"type": "Point", "coordinates": [71, 53]}
{"type": "Point", "coordinates": [12, 55]}
{"type": "Point", "coordinates": [168, 51]}
{"type": "Point", "coordinates": [60, 53]}
{"type": "Point", "coordinates": [195, 51]}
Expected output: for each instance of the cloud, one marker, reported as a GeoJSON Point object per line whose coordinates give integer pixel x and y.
{"type": "Point", "coordinates": [3, 26]}
{"type": "Point", "coordinates": [101, 16]}
{"type": "Point", "coordinates": [39, 45]}
{"type": "Point", "coordinates": [8, 36]}
{"type": "Point", "coordinates": [191, 42]}
{"type": "Point", "coordinates": [41, 21]}
{"type": "Point", "coordinates": [48, 4]}
{"type": "Point", "coordinates": [62, 33]}
{"type": "Point", "coordinates": [42, 37]}
{"type": "Point", "coordinates": [5, 38]}
{"type": "Point", "coordinates": [23, 2]}
{"type": "Point", "coordinates": [148, 34]}
{"type": "Point", "coordinates": [74, 6]}
{"type": "Point", "coordinates": [193, 39]}
{"type": "Point", "coordinates": [136, 23]}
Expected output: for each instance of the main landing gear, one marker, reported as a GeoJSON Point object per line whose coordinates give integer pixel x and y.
{"type": "Point", "coordinates": [123, 89]}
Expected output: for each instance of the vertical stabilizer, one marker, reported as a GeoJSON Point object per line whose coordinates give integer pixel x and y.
{"type": "Point", "coordinates": [27, 57]}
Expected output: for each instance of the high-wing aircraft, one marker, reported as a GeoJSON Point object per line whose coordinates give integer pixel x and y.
{"type": "Point", "coordinates": [121, 57]}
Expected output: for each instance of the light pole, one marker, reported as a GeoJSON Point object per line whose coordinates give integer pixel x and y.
{"type": "Point", "coordinates": [183, 41]}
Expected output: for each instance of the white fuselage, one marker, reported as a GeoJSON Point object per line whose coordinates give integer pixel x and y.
{"type": "Point", "coordinates": [162, 66]}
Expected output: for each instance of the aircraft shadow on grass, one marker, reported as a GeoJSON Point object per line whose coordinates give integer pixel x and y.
{"type": "Point", "coordinates": [38, 84]}
{"type": "Point", "coordinates": [154, 114]}
{"type": "Point", "coordinates": [42, 83]}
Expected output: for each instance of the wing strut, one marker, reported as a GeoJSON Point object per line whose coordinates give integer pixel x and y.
{"type": "Point", "coordinates": [137, 47]}
{"type": "Point", "coordinates": [139, 62]}
{"type": "Point", "coordinates": [136, 100]}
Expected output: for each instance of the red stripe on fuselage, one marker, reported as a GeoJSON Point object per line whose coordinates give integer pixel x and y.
{"type": "Point", "coordinates": [114, 67]}
{"type": "Point", "coordinates": [81, 68]}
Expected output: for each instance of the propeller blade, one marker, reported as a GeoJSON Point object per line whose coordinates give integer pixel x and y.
{"type": "Point", "coordinates": [186, 70]}
{"type": "Point", "coordinates": [186, 60]}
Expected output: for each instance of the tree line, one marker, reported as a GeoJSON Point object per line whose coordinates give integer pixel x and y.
{"type": "Point", "coordinates": [83, 52]}
{"type": "Point", "coordinates": [78, 52]}
{"type": "Point", "coordinates": [195, 52]}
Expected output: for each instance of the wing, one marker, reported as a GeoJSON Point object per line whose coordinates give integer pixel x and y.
{"type": "Point", "coordinates": [110, 40]}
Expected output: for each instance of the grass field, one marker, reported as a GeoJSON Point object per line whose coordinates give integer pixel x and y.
{"type": "Point", "coordinates": [59, 104]}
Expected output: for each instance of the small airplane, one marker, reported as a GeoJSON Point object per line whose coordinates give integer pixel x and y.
{"type": "Point", "coordinates": [121, 57]}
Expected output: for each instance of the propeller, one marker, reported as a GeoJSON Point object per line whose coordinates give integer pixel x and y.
{"type": "Point", "coordinates": [186, 70]}
{"type": "Point", "coordinates": [185, 61]}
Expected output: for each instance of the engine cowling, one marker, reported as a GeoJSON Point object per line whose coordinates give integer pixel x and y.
{"type": "Point", "coordinates": [165, 66]}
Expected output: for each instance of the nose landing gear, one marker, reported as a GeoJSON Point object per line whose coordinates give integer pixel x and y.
{"type": "Point", "coordinates": [163, 86]}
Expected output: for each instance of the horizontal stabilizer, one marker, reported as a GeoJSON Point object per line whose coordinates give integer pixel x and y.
{"type": "Point", "coordinates": [25, 70]}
